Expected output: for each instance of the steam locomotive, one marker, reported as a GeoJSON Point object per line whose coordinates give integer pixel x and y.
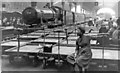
{"type": "Point", "coordinates": [32, 16]}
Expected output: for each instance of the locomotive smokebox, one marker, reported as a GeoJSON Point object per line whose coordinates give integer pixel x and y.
{"type": "Point", "coordinates": [33, 4]}
{"type": "Point", "coordinates": [31, 16]}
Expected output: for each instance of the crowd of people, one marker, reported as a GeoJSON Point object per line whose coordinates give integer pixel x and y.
{"type": "Point", "coordinates": [110, 26]}
{"type": "Point", "coordinates": [83, 54]}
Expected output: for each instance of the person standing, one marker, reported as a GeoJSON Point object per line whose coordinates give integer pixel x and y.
{"type": "Point", "coordinates": [110, 23]}
{"type": "Point", "coordinates": [112, 29]}
{"type": "Point", "coordinates": [116, 33]}
{"type": "Point", "coordinates": [103, 28]}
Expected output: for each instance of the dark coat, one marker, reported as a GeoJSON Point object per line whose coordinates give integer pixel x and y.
{"type": "Point", "coordinates": [84, 54]}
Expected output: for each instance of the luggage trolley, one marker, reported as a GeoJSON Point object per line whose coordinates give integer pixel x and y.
{"type": "Point", "coordinates": [49, 54]}
{"type": "Point", "coordinates": [21, 53]}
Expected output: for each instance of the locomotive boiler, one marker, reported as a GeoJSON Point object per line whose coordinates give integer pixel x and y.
{"type": "Point", "coordinates": [32, 15]}
{"type": "Point", "coordinates": [55, 14]}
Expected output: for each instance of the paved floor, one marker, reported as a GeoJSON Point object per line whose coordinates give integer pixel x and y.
{"type": "Point", "coordinates": [95, 65]}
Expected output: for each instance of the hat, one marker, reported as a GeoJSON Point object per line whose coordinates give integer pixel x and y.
{"type": "Point", "coordinates": [81, 29]}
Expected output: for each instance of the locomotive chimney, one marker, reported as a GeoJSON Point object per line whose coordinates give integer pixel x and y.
{"type": "Point", "coordinates": [34, 4]}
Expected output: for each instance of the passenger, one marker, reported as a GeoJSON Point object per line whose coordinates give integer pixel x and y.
{"type": "Point", "coordinates": [4, 21]}
{"type": "Point", "coordinates": [112, 29]}
{"type": "Point", "coordinates": [118, 21]}
{"type": "Point", "coordinates": [11, 21]}
{"type": "Point", "coordinates": [21, 21]}
{"type": "Point", "coordinates": [103, 28]}
{"type": "Point", "coordinates": [34, 4]}
{"type": "Point", "coordinates": [116, 33]}
{"type": "Point", "coordinates": [110, 22]}
{"type": "Point", "coordinates": [0, 22]}
{"type": "Point", "coordinates": [14, 22]}
{"type": "Point", "coordinates": [98, 23]}
{"type": "Point", "coordinates": [83, 53]}
{"type": "Point", "coordinates": [90, 22]}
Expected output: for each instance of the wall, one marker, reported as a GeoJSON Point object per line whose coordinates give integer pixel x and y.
{"type": "Point", "coordinates": [119, 9]}
{"type": "Point", "coordinates": [19, 6]}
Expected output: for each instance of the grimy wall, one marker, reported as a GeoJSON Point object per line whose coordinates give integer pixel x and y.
{"type": "Point", "coordinates": [119, 9]}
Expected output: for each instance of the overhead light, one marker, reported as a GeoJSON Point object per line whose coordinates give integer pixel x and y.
{"type": "Point", "coordinates": [106, 10]}
{"type": "Point", "coordinates": [57, 2]}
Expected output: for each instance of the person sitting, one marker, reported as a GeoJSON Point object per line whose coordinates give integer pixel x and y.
{"type": "Point", "coordinates": [83, 53]}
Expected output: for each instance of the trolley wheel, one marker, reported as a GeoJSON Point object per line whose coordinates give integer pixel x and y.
{"type": "Point", "coordinates": [77, 68]}
{"type": "Point", "coordinates": [18, 60]}
{"type": "Point", "coordinates": [11, 59]}
{"type": "Point", "coordinates": [44, 63]}
{"type": "Point", "coordinates": [52, 62]}
{"type": "Point", "coordinates": [35, 62]}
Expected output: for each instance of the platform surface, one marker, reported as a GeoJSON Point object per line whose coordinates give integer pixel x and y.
{"type": "Point", "coordinates": [47, 40]}
{"type": "Point", "coordinates": [13, 43]}
{"type": "Point", "coordinates": [97, 53]}
{"type": "Point", "coordinates": [26, 48]}
{"type": "Point", "coordinates": [29, 36]}
{"type": "Point", "coordinates": [37, 34]}
{"type": "Point", "coordinates": [56, 35]}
